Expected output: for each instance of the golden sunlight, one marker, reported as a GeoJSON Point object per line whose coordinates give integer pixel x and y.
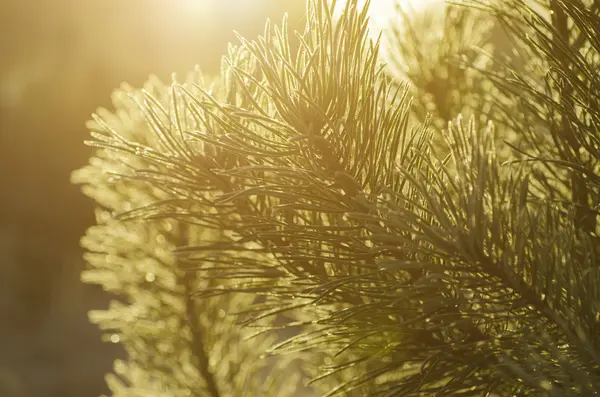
{"type": "Point", "coordinates": [201, 6]}
{"type": "Point", "coordinates": [382, 11]}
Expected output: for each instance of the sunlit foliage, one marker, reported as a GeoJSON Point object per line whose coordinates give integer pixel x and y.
{"type": "Point", "coordinates": [303, 196]}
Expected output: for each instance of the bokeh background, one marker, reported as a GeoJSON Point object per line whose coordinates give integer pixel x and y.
{"type": "Point", "coordinates": [59, 61]}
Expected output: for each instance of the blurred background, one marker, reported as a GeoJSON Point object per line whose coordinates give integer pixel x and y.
{"type": "Point", "coordinates": [59, 61]}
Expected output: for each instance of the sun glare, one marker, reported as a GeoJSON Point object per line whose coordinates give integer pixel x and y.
{"type": "Point", "coordinates": [381, 11]}
{"type": "Point", "coordinates": [233, 7]}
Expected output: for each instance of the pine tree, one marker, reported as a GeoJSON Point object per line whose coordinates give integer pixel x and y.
{"type": "Point", "coordinates": [302, 217]}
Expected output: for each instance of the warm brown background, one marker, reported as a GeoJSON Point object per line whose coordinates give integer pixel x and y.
{"type": "Point", "coordinates": [59, 60]}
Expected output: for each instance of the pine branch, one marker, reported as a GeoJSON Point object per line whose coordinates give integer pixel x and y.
{"type": "Point", "coordinates": [191, 312]}
{"type": "Point", "coordinates": [585, 219]}
{"type": "Point", "coordinates": [401, 261]}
